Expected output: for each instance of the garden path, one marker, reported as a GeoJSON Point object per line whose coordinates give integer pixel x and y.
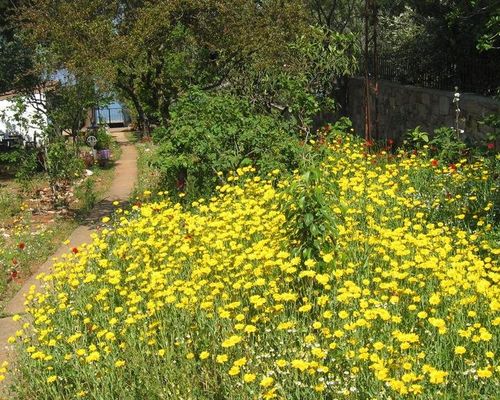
{"type": "Point", "coordinates": [120, 190]}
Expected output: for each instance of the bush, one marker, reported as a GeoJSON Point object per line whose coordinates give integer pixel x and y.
{"type": "Point", "coordinates": [86, 195]}
{"type": "Point", "coordinates": [103, 138]}
{"type": "Point", "coordinates": [62, 166]}
{"type": "Point", "coordinates": [212, 133]}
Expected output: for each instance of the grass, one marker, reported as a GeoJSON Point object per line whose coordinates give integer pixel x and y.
{"type": "Point", "coordinates": [148, 177]}
{"type": "Point", "coordinates": [10, 203]}
{"type": "Point", "coordinates": [28, 240]}
{"type": "Point", "coordinates": [95, 187]}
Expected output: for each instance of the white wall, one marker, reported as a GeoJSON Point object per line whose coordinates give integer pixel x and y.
{"type": "Point", "coordinates": [28, 131]}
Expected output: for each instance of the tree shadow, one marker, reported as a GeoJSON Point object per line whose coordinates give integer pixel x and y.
{"type": "Point", "coordinates": [103, 208]}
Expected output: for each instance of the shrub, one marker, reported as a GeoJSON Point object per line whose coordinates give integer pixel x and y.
{"type": "Point", "coordinates": [212, 133]}
{"type": "Point", "coordinates": [86, 195]}
{"type": "Point", "coordinates": [62, 166]}
{"type": "Point", "coordinates": [103, 138]}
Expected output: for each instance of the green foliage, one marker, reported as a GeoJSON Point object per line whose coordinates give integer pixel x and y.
{"type": "Point", "coordinates": [308, 214]}
{"type": "Point", "coordinates": [10, 203]}
{"type": "Point", "coordinates": [29, 165]}
{"type": "Point", "coordinates": [212, 133]}
{"type": "Point", "coordinates": [62, 167]}
{"type": "Point", "coordinates": [68, 104]}
{"type": "Point", "coordinates": [342, 125]}
{"type": "Point", "coordinates": [304, 80]}
{"type": "Point", "coordinates": [417, 137]}
{"type": "Point", "coordinates": [424, 41]}
{"type": "Point", "coordinates": [446, 145]}
{"type": "Point", "coordinates": [86, 195]}
{"type": "Point", "coordinates": [23, 163]}
{"type": "Point", "coordinates": [103, 138]}
{"type": "Point", "coordinates": [493, 122]}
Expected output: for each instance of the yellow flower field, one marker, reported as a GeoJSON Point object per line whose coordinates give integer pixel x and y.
{"type": "Point", "coordinates": [212, 302]}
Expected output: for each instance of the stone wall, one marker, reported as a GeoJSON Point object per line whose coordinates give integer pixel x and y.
{"type": "Point", "coordinates": [403, 107]}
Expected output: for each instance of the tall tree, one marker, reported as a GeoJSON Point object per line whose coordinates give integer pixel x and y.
{"type": "Point", "coordinates": [151, 51]}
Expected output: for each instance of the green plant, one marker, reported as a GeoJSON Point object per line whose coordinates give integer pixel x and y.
{"type": "Point", "coordinates": [446, 145]}
{"type": "Point", "coordinates": [86, 195]}
{"type": "Point", "coordinates": [103, 138]}
{"type": "Point", "coordinates": [309, 219]}
{"type": "Point", "coordinates": [62, 167]}
{"type": "Point", "coordinates": [492, 121]}
{"type": "Point", "coordinates": [10, 204]}
{"type": "Point", "coordinates": [212, 133]}
{"type": "Point", "coordinates": [416, 138]}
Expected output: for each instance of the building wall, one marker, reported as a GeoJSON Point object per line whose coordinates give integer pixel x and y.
{"type": "Point", "coordinates": [10, 126]}
{"type": "Point", "coordinates": [403, 107]}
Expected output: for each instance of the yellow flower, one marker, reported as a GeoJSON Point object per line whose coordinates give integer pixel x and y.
{"type": "Point", "coordinates": [484, 373]}
{"type": "Point", "coordinates": [328, 257]}
{"type": "Point", "coordinates": [300, 364]}
{"type": "Point", "coordinates": [51, 378]}
{"type": "Point", "coordinates": [221, 358]}
{"type": "Point", "coordinates": [305, 308]}
{"type": "Point", "coordinates": [248, 378]}
{"type": "Point", "coordinates": [232, 341]}
{"type": "Point", "coordinates": [119, 363]}
{"type": "Point", "coordinates": [266, 381]}
{"type": "Point", "coordinates": [281, 363]}
{"type": "Point", "coordinates": [436, 376]}
{"type": "Point", "coordinates": [93, 356]}
{"type": "Point", "coordinates": [460, 350]}
{"type": "Point", "coordinates": [320, 387]}
{"type": "Point", "coordinates": [204, 355]}
{"type": "Point", "coordinates": [240, 362]}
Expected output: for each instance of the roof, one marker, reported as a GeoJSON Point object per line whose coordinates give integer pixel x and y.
{"type": "Point", "coordinates": [47, 86]}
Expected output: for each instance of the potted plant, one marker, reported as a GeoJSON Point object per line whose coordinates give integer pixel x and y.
{"type": "Point", "coordinates": [102, 146]}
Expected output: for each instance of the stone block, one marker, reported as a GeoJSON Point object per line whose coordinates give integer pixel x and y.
{"type": "Point", "coordinates": [426, 99]}
{"type": "Point", "coordinates": [422, 110]}
{"type": "Point", "coordinates": [444, 105]}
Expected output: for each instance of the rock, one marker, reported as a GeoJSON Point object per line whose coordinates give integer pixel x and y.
{"type": "Point", "coordinates": [88, 172]}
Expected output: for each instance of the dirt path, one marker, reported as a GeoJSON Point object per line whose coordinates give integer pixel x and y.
{"type": "Point", "coordinates": [120, 190]}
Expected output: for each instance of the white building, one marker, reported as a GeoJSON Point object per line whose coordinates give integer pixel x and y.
{"type": "Point", "coordinates": [23, 124]}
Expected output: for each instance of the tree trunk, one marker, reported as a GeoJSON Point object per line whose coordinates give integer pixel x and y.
{"type": "Point", "coordinates": [142, 122]}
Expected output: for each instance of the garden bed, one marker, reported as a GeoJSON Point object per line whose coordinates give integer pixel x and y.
{"type": "Point", "coordinates": [230, 299]}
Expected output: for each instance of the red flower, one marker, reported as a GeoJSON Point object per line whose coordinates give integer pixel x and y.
{"type": "Point", "coordinates": [491, 146]}
{"type": "Point", "coordinates": [453, 167]}
{"type": "Point", "coordinates": [14, 261]}
{"type": "Point", "coordinates": [74, 250]}
{"type": "Point", "coordinates": [181, 184]}
{"type": "Point", "coordinates": [390, 142]}
{"type": "Point", "coordinates": [434, 162]}
{"type": "Point", "coordinates": [21, 246]}
{"type": "Point", "coordinates": [368, 143]}
{"type": "Point", "coordinates": [13, 274]}
{"type": "Point", "coordinates": [327, 128]}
